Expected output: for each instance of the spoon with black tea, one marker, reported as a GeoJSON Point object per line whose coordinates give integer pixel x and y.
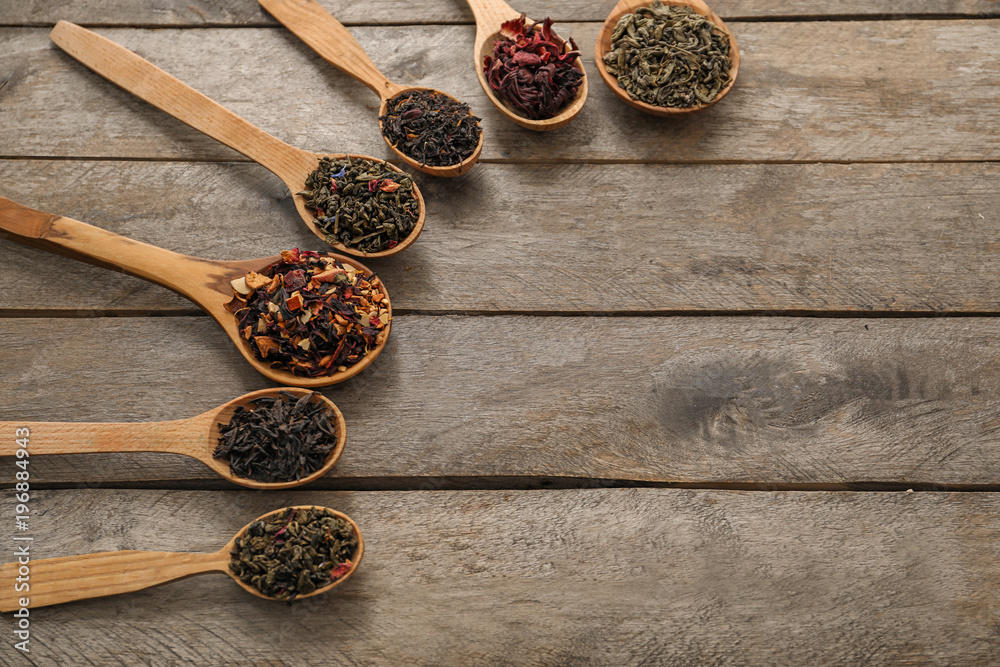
{"type": "Point", "coordinates": [604, 46]}
{"type": "Point", "coordinates": [331, 40]}
{"type": "Point", "coordinates": [70, 578]}
{"type": "Point", "coordinates": [196, 437]}
{"type": "Point", "coordinates": [148, 82]}
{"type": "Point", "coordinates": [206, 282]}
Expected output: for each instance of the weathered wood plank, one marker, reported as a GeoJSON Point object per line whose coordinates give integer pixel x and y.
{"type": "Point", "coordinates": [613, 238]}
{"type": "Point", "coordinates": [850, 91]}
{"type": "Point", "coordinates": [239, 12]}
{"type": "Point", "coordinates": [743, 400]}
{"type": "Point", "coordinates": [625, 577]}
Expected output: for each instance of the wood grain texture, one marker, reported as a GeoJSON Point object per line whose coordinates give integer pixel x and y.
{"type": "Point", "coordinates": [71, 578]}
{"type": "Point", "coordinates": [237, 12]}
{"type": "Point", "coordinates": [697, 400]}
{"type": "Point", "coordinates": [626, 576]}
{"type": "Point", "coordinates": [914, 238]}
{"type": "Point", "coordinates": [850, 91]}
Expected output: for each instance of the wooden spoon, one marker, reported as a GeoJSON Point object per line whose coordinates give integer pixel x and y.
{"type": "Point", "coordinates": [150, 83]}
{"type": "Point", "coordinates": [204, 281]}
{"type": "Point", "coordinates": [331, 40]}
{"type": "Point", "coordinates": [490, 15]}
{"type": "Point", "coordinates": [70, 578]}
{"type": "Point", "coordinates": [628, 7]}
{"type": "Point", "coordinates": [196, 437]}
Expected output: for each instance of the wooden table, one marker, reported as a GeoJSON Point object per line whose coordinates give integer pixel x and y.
{"type": "Point", "coordinates": [722, 389]}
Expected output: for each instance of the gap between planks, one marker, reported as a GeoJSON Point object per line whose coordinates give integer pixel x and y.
{"type": "Point", "coordinates": [523, 483]}
{"type": "Point", "coordinates": [512, 161]}
{"type": "Point", "coordinates": [789, 18]}
{"type": "Point", "coordinates": [397, 312]}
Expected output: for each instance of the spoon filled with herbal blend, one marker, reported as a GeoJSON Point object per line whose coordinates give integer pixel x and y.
{"type": "Point", "coordinates": [430, 130]}
{"type": "Point", "coordinates": [360, 205]}
{"type": "Point", "coordinates": [300, 318]}
{"type": "Point", "coordinates": [267, 439]}
{"type": "Point", "coordinates": [288, 554]}
{"type": "Point", "coordinates": [532, 75]}
{"type": "Point", "coordinates": [667, 58]}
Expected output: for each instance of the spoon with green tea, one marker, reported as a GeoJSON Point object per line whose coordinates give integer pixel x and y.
{"type": "Point", "coordinates": [148, 82]}
{"type": "Point", "coordinates": [71, 578]}
{"type": "Point", "coordinates": [604, 46]}
{"type": "Point", "coordinates": [195, 437]}
{"type": "Point", "coordinates": [331, 40]}
{"type": "Point", "coordinates": [208, 283]}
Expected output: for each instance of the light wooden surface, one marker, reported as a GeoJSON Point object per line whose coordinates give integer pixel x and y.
{"type": "Point", "coordinates": [590, 576]}
{"type": "Point", "coordinates": [73, 578]}
{"type": "Point", "coordinates": [831, 238]}
{"type": "Point", "coordinates": [199, 13]}
{"type": "Point", "coordinates": [520, 400]}
{"type": "Point", "coordinates": [784, 306]}
{"type": "Point", "coordinates": [854, 91]}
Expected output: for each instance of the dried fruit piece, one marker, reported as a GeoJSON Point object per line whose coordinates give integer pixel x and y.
{"type": "Point", "coordinates": [310, 312]}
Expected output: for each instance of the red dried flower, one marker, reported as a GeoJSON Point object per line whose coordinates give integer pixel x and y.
{"type": "Point", "coordinates": [529, 70]}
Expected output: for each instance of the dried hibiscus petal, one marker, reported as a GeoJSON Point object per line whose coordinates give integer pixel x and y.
{"type": "Point", "coordinates": [530, 71]}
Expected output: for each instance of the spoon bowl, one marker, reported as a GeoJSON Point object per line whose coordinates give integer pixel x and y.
{"type": "Point", "coordinates": [604, 45]}
{"type": "Point", "coordinates": [150, 83]}
{"type": "Point", "coordinates": [325, 35]}
{"type": "Point", "coordinates": [195, 437]}
{"type": "Point", "coordinates": [446, 171]}
{"type": "Point", "coordinates": [206, 282]}
{"type": "Point", "coordinates": [490, 15]}
{"type": "Point", "coordinates": [71, 578]}
{"type": "Point", "coordinates": [355, 559]}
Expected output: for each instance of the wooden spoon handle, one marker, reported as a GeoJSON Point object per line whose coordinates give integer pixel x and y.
{"type": "Point", "coordinates": [490, 14]}
{"type": "Point", "coordinates": [330, 39]}
{"type": "Point", "coordinates": [145, 80]}
{"type": "Point", "coordinates": [182, 436]}
{"type": "Point", "coordinates": [59, 580]}
{"type": "Point", "coordinates": [83, 242]}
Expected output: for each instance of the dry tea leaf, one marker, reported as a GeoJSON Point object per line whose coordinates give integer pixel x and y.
{"type": "Point", "coordinates": [430, 127]}
{"type": "Point", "coordinates": [529, 70]}
{"type": "Point", "coordinates": [355, 206]}
{"type": "Point", "coordinates": [294, 552]}
{"type": "Point", "coordinates": [669, 56]}
{"type": "Point", "coordinates": [280, 439]}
